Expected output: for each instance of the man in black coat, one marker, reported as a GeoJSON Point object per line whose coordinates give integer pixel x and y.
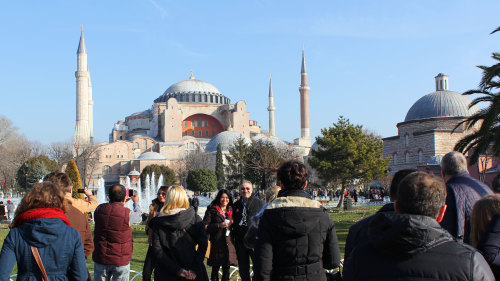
{"type": "Point", "coordinates": [462, 192]}
{"type": "Point", "coordinates": [245, 208]}
{"type": "Point", "coordinates": [358, 232]}
{"type": "Point", "coordinates": [195, 203]}
{"type": "Point", "coordinates": [410, 244]}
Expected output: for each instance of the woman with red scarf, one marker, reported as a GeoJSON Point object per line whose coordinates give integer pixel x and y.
{"type": "Point", "coordinates": [218, 218]}
{"type": "Point", "coordinates": [40, 222]}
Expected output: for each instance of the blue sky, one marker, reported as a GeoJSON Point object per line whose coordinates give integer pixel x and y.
{"type": "Point", "coordinates": [367, 60]}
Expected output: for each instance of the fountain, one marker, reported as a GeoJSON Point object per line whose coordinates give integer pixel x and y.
{"type": "Point", "coordinates": [153, 186]}
{"type": "Point", "coordinates": [160, 183]}
{"type": "Point", "coordinates": [147, 190]}
{"type": "Point", "coordinates": [101, 192]}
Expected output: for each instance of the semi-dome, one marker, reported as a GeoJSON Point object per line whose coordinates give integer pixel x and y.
{"type": "Point", "coordinates": [134, 173]}
{"type": "Point", "coordinates": [441, 104]}
{"type": "Point", "coordinates": [226, 139]}
{"type": "Point", "coordinates": [274, 141]}
{"type": "Point", "coordinates": [151, 156]}
{"type": "Point", "coordinates": [193, 91]}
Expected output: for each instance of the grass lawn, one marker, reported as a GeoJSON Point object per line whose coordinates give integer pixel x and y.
{"type": "Point", "coordinates": [343, 220]}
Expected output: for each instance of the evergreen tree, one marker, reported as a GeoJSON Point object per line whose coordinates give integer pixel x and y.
{"type": "Point", "coordinates": [74, 175]}
{"type": "Point", "coordinates": [203, 180]}
{"type": "Point", "coordinates": [168, 174]}
{"type": "Point", "coordinates": [236, 163]}
{"type": "Point", "coordinates": [346, 153]}
{"type": "Point", "coordinates": [42, 163]}
{"type": "Point", "coordinates": [219, 168]}
{"type": "Point", "coordinates": [35, 174]}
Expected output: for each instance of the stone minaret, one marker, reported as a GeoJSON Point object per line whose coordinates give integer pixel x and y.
{"type": "Point", "coordinates": [82, 130]}
{"type": "Point", "coordinates": [305, 137]}
{"type": "Point", "coordinates": [91, 111]}
{"type": "Point", "coordinates": [271, 109]}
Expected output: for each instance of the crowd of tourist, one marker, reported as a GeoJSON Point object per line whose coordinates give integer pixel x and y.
{"type": "Point", "coordinates": [434, 228]}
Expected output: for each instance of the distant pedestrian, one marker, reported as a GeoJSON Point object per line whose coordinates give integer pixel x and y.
{"type": "Point", "coordinates": [2, 211]}
{"type": "Point", "coordinates": [195, 202]}
{"type": "Point", "coordinates": [10, 210]}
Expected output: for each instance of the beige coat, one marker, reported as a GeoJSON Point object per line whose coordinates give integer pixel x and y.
{"type": "Point", "coordinates": [81, 204]}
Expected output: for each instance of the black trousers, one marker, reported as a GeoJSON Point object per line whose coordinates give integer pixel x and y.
{"type": "Point", "coordinates": [149, 265]}
{"type": "Point", "coordinates": [244, 254]}
{"type": "Point", "coordinates": [215, 273]}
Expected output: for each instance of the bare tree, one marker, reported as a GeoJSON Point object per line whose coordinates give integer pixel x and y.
{"type": "Point", "coordinates": [87, 159]}
{"type": "Point", "coordinates": [193, 160]}
{"type": "Point", "coordinates": [61, 152]}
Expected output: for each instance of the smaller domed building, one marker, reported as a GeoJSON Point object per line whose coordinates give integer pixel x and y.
{"type": "Point", "coordinates": [427, 130]}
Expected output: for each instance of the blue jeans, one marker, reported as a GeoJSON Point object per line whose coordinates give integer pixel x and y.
{"type": "Point", "coordinates": [107, 272]}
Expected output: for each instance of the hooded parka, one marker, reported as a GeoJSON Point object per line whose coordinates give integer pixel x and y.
{"type": "Point", "coordinates": [174, 245]}
{"type": "Point", "coordinates": [413, 247]}
{"type": "Point", "coordinates": [296, 240]}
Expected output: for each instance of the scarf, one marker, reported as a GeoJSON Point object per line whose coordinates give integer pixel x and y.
{"type": "Point", "coordinates": [228, 214]}
{"type": "Point", "coordinates": [40, 213]}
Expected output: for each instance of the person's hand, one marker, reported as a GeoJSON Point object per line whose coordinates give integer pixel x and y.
{"type": "Point", "coordinates": [135, 198]}
{"type": "Point", "coordinates": [188, 274]}
{"type": "Point", "coordinates": [224, 225]}
{"type": "Point", "coordinates": [87, 192]}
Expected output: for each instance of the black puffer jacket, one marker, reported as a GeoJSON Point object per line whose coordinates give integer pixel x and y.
{"type": "Point", "coordinates": [296, 240]}
{"type": "Point", "coordinates": [174, 240]}
{"type": "Point", "coordinates": [358, 232]}
{"type": "Point", "coordinates": [412, 247]}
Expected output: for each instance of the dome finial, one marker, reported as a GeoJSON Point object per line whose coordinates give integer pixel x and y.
{"type": "Point", "coordinates": [191, 77]}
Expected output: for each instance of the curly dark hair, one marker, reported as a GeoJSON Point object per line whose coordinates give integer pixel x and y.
{"type": "Point", "coordinates": [60, 179]}
{"type": "Point", "coordinates": [42, 195]}
{"type": "Point", "coordinates": [293, 175]}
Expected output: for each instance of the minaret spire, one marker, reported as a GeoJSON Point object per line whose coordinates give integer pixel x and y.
{"type": "Point", "coordinates": [83, 97]}
{"type": "Point", "coordinates": [271, 109]}
{"type": "Point", "coordinates": [305, 137]}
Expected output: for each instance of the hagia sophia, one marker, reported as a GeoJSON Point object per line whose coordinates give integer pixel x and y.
{"type": "Point", "coordinates": [191, 115]}
{"type": "Point", "coordinates": [194, 116]}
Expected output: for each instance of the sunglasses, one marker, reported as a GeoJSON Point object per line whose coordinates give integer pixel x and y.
{"type": "Point", "coordinates": [162, 194]}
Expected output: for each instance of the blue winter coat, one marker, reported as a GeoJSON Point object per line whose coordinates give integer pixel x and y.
{"type": "Point", "coordinates": [462, 192]}
{"type": "Point", "coordinates": [59, 245]}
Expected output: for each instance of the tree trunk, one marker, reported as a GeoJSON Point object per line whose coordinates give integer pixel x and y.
{"type": "Point", "coordinates": [341, 201]}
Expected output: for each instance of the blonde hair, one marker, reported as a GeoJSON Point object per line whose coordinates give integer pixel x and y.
{"type": "Point", "coordinates": [272, 193]}
{"type": "Point", "coordinates": [176, 197]}
{"type": "Point", "coordinates": [483, 211]}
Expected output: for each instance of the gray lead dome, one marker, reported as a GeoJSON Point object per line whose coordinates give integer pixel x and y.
{"type": "Point", "coordinates": [441, 104]}
{"type": "Point", "coordinates": [194, 91]}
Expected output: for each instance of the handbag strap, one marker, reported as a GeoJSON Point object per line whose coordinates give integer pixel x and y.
{"type": "Point", "coordinates": [38, 260]}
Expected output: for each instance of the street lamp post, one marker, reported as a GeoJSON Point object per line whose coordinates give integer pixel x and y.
{"type": "Point", "coordinates": [25, 168]}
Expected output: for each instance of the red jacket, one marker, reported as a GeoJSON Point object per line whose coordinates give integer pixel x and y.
{"type": "Point", "coordinates": [112, 235]}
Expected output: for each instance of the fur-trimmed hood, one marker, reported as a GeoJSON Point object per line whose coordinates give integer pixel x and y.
{"type": "Point", "coordinates": [295, 213]}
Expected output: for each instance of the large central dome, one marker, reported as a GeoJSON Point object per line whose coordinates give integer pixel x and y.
{"type": "Point", "coordinates": [441, 104]}
{"type": "Point", "coordinates": [193, 91]}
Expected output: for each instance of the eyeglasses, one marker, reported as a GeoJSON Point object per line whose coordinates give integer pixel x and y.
{"type": "Point", "coordinates": [162, 194]}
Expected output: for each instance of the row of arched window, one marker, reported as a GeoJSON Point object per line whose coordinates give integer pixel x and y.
{"type": "Point", "coordinates": [407, 157]}
{"type": "Point", "coordinates": [202, 98]}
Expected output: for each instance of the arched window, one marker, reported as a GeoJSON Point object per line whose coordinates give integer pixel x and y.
{"type": "Point", "coordinates": [395, 158]}
{"type": "Point", "coordinates": [144, 144]}
{"type": "Point", "coordinates": [420, 156]}
{"type": "Point", "coordinates": [136, 145]}
{"type": "Point", "coordinates": [407, 157]}
{"type": "Point", "coordinates": [406, 140]}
